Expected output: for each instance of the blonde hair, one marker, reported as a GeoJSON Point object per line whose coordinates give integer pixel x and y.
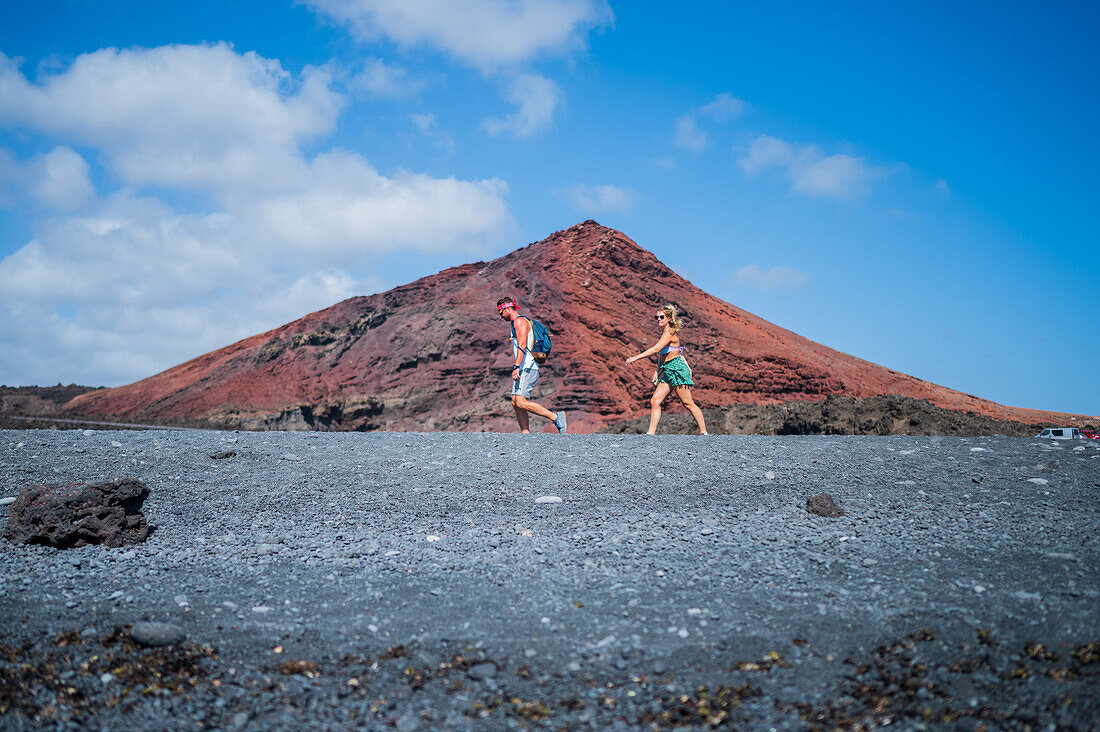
{"type": "Point", "coordinates": [673, 322]}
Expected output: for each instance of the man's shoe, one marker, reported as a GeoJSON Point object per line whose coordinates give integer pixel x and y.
{"type": "Point", "coordinates": [559, 421]}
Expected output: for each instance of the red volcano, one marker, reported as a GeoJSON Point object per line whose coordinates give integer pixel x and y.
{"type": "Point", "coordinates": [433, 355]}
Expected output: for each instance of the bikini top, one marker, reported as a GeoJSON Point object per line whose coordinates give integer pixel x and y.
{"type": "Point", "coordinates": [669, 348]}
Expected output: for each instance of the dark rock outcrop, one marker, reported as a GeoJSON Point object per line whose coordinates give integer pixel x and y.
{"type": "Point", "coordinates": [835, 415]}
{"type": "Point", "coordinates": [77, 514]}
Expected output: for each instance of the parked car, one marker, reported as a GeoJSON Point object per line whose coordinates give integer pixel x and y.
{"type": "Point", "coordinates": [1090, 435]}
{"type": "Point", "coordinates": [1061, 433]}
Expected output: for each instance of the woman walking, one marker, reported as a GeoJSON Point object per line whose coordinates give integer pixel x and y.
{"type": "Point", "coordinates": [673, 372]}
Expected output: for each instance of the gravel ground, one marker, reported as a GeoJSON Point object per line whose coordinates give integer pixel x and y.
{"type": "Point", "coordinates": [343, 580]}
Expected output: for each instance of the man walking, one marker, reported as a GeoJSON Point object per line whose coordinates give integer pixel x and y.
{"type": "Point", "coordinates": [525, 371]}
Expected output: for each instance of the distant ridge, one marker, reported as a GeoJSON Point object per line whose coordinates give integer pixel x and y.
{"type": "Point", "coordinates": [432, 354]}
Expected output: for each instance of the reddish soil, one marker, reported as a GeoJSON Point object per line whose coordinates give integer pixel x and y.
{"type": "Point", "coordinates": [433, 354]}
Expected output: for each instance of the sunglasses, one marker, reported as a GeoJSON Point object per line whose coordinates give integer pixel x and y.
{"type": "Point", "coordinates": [661, 317]}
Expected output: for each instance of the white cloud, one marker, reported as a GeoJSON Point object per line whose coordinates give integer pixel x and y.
{"type": "Point", "coordinates": [594, 200]}
{"type": "Point", "coordinates": [345, 208]}
{"type": "Point", "coordinates": [192, 116]}
{"type": "Point", "coordinates": [428, 126]}
{"type": "Point", "coordinates": [58, 179]}
{"type": "Point", "coordinates": [689, 136]}
{"type": "Point", "coordinates": [724, 108]}
{"type": "Point", "coordinates": [482, 33]}
{"type": "Point", "coordinates": [809, 171]}
{"type": "Point", "coordinates": [125, 285]}
{"type": "Point", "coordinates": [381, 79]}
{"type": "Point", "coordinates": [941, 187]}
{"type": "Point", "coordinates": [536, 98]}
{"type": "Point", "coordinates": [776, 278]}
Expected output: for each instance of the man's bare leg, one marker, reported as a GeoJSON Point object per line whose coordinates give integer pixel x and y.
{"type": "Point", "coordinates": [659, 395]}
{"type": "Point", "coordinates": [533, 407]}
{"type": "Point", "coordinates": [521, 416]}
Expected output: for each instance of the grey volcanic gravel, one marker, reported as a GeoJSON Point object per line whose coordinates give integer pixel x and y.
{"type": "Point", "coordinates": [415, 581]}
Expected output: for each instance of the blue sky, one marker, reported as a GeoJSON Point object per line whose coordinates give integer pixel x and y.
{"type": "Point", "coordinates": [911, 183]}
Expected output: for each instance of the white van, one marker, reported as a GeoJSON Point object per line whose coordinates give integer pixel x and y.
{"type": "Point", "coordinates": [1061, 433]}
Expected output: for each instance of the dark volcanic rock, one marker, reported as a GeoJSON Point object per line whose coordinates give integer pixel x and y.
{"type": "Point", "coordinates": [824, 505]}
{"type": "Point", "coordinates": [223, 455]}
{"type": "Point", "coordinates": [78, 514]}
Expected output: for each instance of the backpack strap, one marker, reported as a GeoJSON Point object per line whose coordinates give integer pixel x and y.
{"type": "Point", "coordinates": [516, 338]}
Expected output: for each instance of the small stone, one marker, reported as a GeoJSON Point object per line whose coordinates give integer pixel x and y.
{"type": "Point", "coordinates": [659, 668]}
{"type": "Point", "coordinates": [977, 449]}
{"type": "Point", "coordinates": [548, 499]}
{"type": "Point", "coordinates": [240, 719]}
{"type": "Point", "coordinates": [88, 433]}
{"type": "Point", "coordinates": [1038, 481]}
{"type": "Point", "coordinates": [152, 635]}
{"type": "Point", "coordinates": [1062, 555]}
{"type": "Point", "coordinates": [979, 589]}
{"type": "Point", "coordinates": [7, 501]}
{"type": "Point", "coordinates": [482, 671]}
{"type": "Point", "coordinates": [107, 678]}
{"type": "Point", "coordinates": [823, 505]}
{"type": "Point", "coordinates": [182, 600]}
{"type": "Point", "coordinates": [261, 609]}
{"type": "Point", "coordinates": [291, 457]}
{"type": "Point", "coordinates": [226, 454]}
{"type": "Point", "coordinates": [769, 475]}
{"type": "Point", "coordinates": [431, 538]}
{"type": "Point", "coordinates": [392, 553]}
{"type": "Point", "coordinates": [116, 443]}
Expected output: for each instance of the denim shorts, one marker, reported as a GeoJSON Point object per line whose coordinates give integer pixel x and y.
{"type": "Point", "coordinates": [527, 379]}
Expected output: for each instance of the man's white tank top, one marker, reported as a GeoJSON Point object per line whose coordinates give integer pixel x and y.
{"type": "Point", "coordinates": [528, 359]}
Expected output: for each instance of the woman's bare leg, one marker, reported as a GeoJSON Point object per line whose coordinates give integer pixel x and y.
{"type": "Point", "coordinates": [683, 393]}
{"type": "Point", "coordinates": [659, 395]}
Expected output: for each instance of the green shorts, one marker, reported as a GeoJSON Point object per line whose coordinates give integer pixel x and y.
{"type": "Point", "coordinates": [675, 373]}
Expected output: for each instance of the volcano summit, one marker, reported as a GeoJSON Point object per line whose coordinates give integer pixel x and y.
{"type": "Point", "coordinates": [431, 355]}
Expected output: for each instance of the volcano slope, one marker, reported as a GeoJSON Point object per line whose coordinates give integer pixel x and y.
{"type": "Point", "coordinates": [414, 581]}
{"type": "Point", "coordinates": [432, 355]}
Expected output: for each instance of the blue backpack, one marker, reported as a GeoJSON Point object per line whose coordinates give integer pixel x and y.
{"type": "Point", "coordinates": [540, 345]}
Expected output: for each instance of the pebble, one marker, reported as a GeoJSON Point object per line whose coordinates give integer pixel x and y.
{"type": "Point", "coordinates": [482, 671]}
{"type": "Point", "coordinates": [152, 635]}
{"type": "Point", "coordinates": [7, 501]}
{"type": "Point", "coordinates": [548, 499]}
{"type": "Point", "coordinates": [769, 475]}
{"type": "Point", "coordinates": [1038, 481]}
{"type": "Point", "coordinates": [182, 600]}
{"type": "Point", "coordinates": [116, 443]}
{"type": "Point", "coordinates": [291, 456]}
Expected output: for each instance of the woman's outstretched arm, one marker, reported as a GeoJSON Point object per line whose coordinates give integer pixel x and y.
{"type": "Point", "coordinates": [666, 338]}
